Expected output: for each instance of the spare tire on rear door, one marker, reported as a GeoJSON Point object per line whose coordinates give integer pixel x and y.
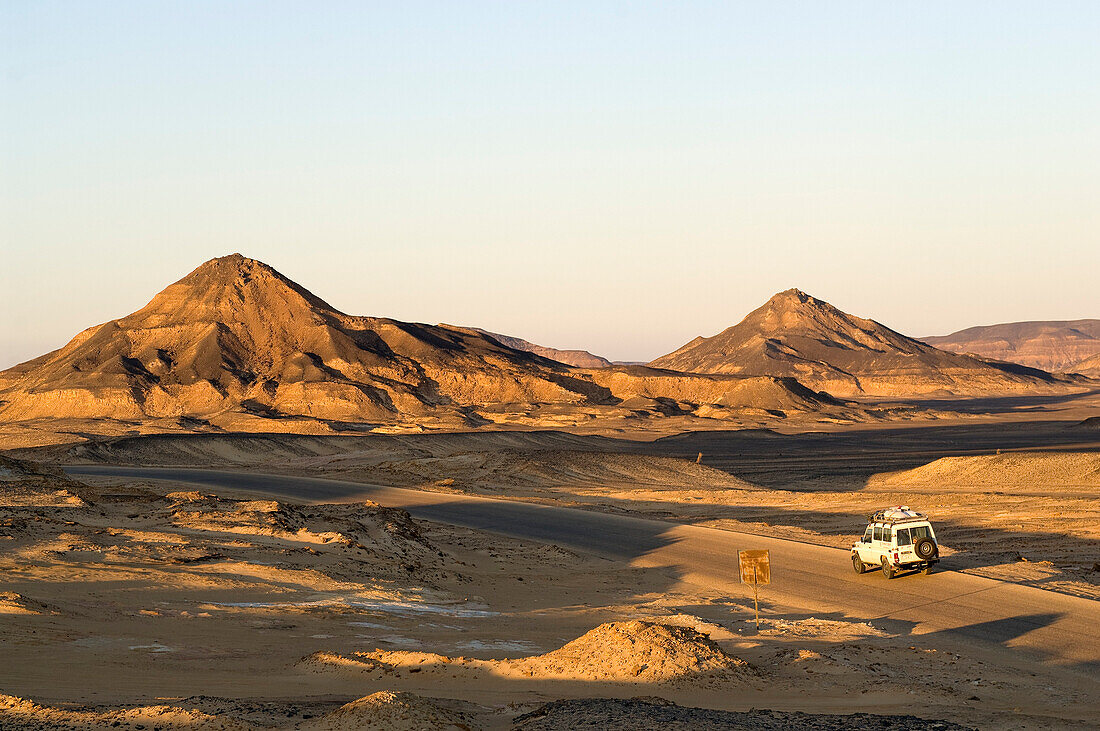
{"type": "Point", "coordinates": [925, 548]}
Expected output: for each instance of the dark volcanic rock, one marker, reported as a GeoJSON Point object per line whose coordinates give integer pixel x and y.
{"type": "Point", "coordinates": [661, 715]}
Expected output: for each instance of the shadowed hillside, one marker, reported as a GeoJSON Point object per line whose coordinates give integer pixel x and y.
{"type": "Point", "coordinates": [796, 335]}
{"type": "Point", "coordinates": [1088, 367]}
{"type": "Point", "coordinates": [577, 358]}
{"type": "Point", "coordinates": [1053, 346]}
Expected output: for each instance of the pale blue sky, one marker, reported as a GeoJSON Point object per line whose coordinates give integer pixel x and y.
{"type": "Point", "coordinates": [614, 176]}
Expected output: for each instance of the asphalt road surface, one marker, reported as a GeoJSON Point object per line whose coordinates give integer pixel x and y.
{"type": "Point", "coordinates": [946, 608]}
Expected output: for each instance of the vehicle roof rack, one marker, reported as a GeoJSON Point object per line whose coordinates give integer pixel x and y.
{"type": "Point", "coordinates": [896, 514]}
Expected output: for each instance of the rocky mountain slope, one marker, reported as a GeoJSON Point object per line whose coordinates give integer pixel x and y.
{"type": "Point", "coordinates": [577, 358]}
{"type": "Point", "coordinates": [796, 335]}
{"type": "Point", "coordinates": [1088, 367]}
{"type": "Point", "coordinates": [238, 346]}
{"type": "Point", "coordinates": [1056, 345]}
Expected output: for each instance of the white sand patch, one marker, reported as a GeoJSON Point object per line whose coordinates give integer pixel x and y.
{"type": "Point", "coordinates": [388, 607]}
{"type": "Point", "coordinates": [505, 645]}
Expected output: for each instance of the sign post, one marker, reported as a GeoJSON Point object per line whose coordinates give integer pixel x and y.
{"type": "Point", "coordinates": [755, 569]}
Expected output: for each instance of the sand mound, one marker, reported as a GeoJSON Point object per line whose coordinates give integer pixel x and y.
{"type": "Point", "coordinates": [18, 713]}
{"type": "Point", "coordinates": [700, 625]}
{"type": "Point", "coordinates": [813, 628]}
{"type": "Point", "coordinates": [542, 468]}
{"type": "Point", "coordinates": [384, 711]}
{"type": "Point", "coordinates": [367, 526]}
{"type": "Point", "coordinates": [29, 484]}
{"type": "Point", "coordinates": [387, 710]}
{"type": "Point", "coordinates": [12, 603]}
{"type": "Point", "coordinates": [1090, 424]}
{"type": "Point", "coordinates": [12, 469]}
{"type": "Point", "coordinates": [662, 715]}
{"type": "Point", "coordinates": [1003, 470]}
{"type": "Point", "coordinates": [38, 495]}
{"type": "Point", "coordinates": [192, 496]}
{"type": "Point", "coordinates": [633, 651]}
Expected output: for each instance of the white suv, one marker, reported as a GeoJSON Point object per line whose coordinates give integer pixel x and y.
{"type": "Point", "coordinates": [896, 539]}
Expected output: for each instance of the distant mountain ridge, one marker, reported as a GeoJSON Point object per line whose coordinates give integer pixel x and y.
{"type": "Point", "coordinates": [236, 345]}
{"type": "Point", "coordinates": [797, 335]}
{"type": "Point", "coordinates": [577, 358]}
{"type": "Point", "coordinates": [1052, 345]}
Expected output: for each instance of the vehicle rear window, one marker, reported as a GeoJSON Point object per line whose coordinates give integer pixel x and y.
{"type": "Point", "coordinates": [921, 531]}
{"type": "Point", "coordinates": [904, 538]}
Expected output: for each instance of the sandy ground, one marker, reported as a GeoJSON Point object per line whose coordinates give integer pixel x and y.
{"type": "Point", "coordinates": [647, 420]}
{"type": "Point", "coordinates": [154, 607]}
{"type": "Point", "coordinates": [1028, 515]}
{"type": "Point", "coordinates": [621, 421]}
{"type": "Point", "coordinates": [149, 606]}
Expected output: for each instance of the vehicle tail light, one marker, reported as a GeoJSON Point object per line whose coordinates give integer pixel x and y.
{"type": "Point", "coordinates": [896, 559]}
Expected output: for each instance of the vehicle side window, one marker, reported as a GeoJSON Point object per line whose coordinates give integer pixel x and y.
{"type": "Point", "coordinates": [888, 535]}
{"type": "Point", "coordinates": [904, 539]}
{"type": "Point", "coordinates": [878, 532]}
{"type": "Point", "coordinates": [869, 535]}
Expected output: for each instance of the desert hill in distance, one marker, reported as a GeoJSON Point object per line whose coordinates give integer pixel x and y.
{"type": "Point", "coordinates": [237, 346]}
{"type": "Point", "coordinates": [576, 358]}
{"type": "Point", "coordinates": [797, 335]}
{"type": "Point", "coordinates": [1088, 367]}
{"type": "Point", "coordinates": [1054, 345]}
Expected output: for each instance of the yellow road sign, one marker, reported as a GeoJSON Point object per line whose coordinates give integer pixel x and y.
{"type": "Point", "coordinates": [756, 567]}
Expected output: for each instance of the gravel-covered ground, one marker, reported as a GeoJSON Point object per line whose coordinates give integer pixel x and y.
{"type": "Point", "coordinates": [646, 713]}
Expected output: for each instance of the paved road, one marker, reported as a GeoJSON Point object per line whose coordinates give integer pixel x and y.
{"type": "Point", "coordinates": [947, 607]}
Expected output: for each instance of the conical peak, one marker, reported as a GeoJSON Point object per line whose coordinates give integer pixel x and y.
{"type": "Point", "coordinates": [793, 297]}
{"type": "Point", "coordinates": [222, 288]}
{"type": "Point", "coordinates": [243, 274]}
{"type": "Point", "coordinates": [231, 268]}
{"type": "Point", "coordinates": [792, 302]}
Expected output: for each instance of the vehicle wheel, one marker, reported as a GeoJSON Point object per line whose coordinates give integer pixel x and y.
{"type": "Point", "coordinates": [858, 565]}
{"type": "Point", "coordinates": [887, 568]}
{"type": "Point", "coordinates": [925, 548]}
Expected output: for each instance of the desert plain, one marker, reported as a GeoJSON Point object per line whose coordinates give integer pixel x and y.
{"type": "Point", "coordinates": [241, 509]}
